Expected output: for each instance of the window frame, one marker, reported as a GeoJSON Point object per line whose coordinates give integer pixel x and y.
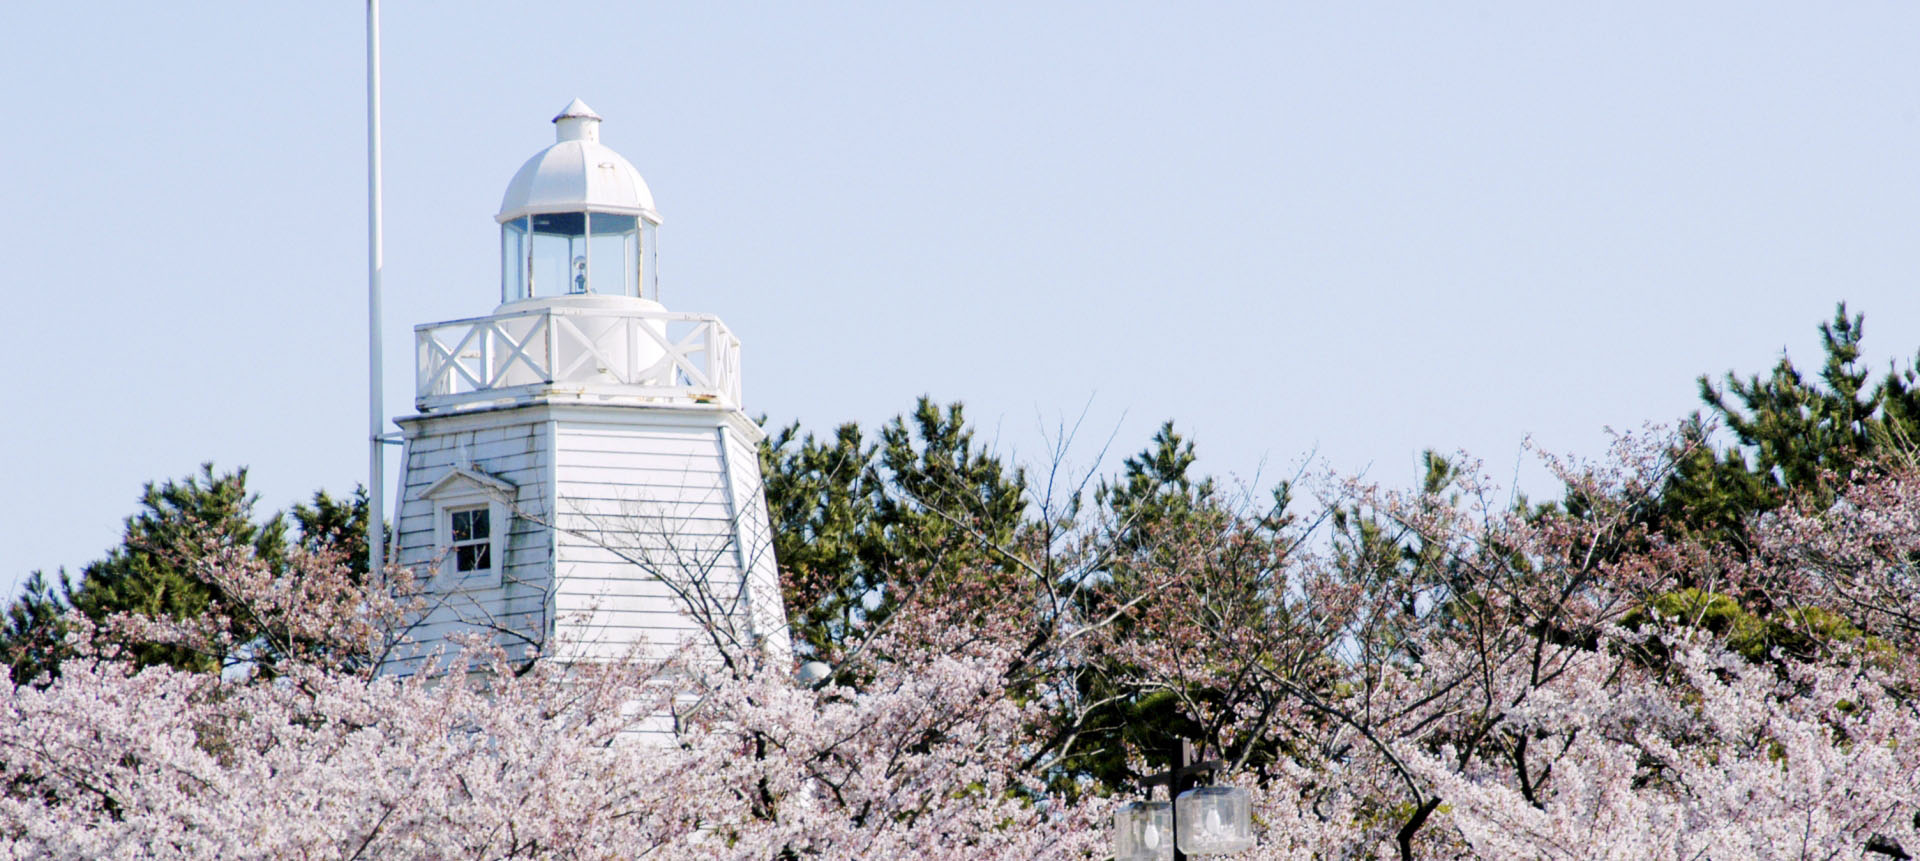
{"type": "Point", "coordinates": [446, 548]}
{"type": "Point", "coordinates": [468, 490]}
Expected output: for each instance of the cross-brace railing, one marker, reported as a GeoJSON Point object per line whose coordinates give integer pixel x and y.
{"type": "Point", "coordinates": [589, 352]}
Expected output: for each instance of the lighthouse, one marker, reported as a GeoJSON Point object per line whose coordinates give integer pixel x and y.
{"type": "Point", "coordinates": [579, 480]}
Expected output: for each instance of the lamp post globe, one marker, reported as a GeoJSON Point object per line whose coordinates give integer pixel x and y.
{"type": "Point", "coordinates": [1205, 820]}
{"type": "Point", "coordinates": [1143, 831]}
{"type": "Point", "coordinates": [1215, 820]}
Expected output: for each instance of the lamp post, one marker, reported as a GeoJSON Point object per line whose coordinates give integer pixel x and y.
{"type": "Point", "coordinates": [1194, 820]}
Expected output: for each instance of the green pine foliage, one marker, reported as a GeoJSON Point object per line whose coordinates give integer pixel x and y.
{"type": "Point", "coordinates": [1791, 435]}
{"type": "Point", "coordinates": [1794, 439]}
{"type": "Point", "coordinates": [1154, 488]}
{"type": "Point", "coordinates": [859, 524]}
{"type": "Point", "coordinates": [1162, 517]}
{"type": "Point", "coordinates": [1798, 632]}
{"type": "Point", "coordinates": [150, 572]}
{"type": "Point", "coordinates": [820, 498]}
{"type": "Point", "coordinates": [336, 526]}
{"type": "Point", "coordinates": [1152, 500]}
{"type": "Point", "coordinates": [33, 629]}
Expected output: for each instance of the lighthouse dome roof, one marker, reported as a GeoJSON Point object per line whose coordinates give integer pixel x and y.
{"type": "Point", "coordinates": [577, 174]}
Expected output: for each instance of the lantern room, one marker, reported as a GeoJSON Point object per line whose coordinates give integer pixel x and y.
{"type": "Point", "coordinates": [577, 219]}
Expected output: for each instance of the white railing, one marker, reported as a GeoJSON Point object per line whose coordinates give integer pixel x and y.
{"type": "Point", "coordinates": [588, 354]}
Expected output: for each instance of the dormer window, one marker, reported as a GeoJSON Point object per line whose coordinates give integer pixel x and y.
{"type": "Point", "coordinates": [472, 513]}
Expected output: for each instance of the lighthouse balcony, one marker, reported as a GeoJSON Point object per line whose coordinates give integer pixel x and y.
{"type": "Point", "coordinates": [594, 354]}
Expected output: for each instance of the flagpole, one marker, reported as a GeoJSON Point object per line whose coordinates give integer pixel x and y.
{"type": "Point", "coordinates": [376, 260]}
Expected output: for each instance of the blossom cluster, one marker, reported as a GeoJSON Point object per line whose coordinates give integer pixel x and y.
{"type": "Point", "coordinates": [1444, 676]}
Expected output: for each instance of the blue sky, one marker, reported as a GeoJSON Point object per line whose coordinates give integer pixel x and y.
{"type": "Point", "coordinates": [1343, 232]}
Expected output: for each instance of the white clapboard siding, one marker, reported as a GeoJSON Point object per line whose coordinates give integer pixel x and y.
{"type": "Point", "coordinates": [624, 529]}
{"type": "Point", "coordinates": [616, 513]}
{"type": "Point", "coordinates": [512, 600]}
{"type": "Point", "coordinates": [634, 604]}
{"type": "Point", "coordinates": [675, 495]}
{"type": "Point", "coordinates": [649, 505]}
{"type": "Point", "coordinates": [594, 577]}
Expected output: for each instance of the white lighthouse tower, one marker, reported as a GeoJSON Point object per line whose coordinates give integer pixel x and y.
{"type": "Point", "coordinates": [580, 477]}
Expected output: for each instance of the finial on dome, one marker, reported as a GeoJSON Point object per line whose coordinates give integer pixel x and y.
{"type": "Point", "coordinates": [577, 122]}
{"type": "Point", "coordinates": [576, 108]}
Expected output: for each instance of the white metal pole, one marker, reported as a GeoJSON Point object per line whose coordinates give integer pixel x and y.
{"type": "Point", "coordinates": [376, 408]}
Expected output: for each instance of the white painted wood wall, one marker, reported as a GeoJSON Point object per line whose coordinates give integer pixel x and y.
{"type": "Point", "coordinates": [644, 498]}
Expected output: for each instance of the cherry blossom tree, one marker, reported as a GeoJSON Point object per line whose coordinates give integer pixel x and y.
{"type": "Point", "coordinates": [1440, 672]}
{"type": "Point", "coordinates": [314, 754]}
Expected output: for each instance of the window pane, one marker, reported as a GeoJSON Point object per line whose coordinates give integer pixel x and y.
{"type": "Point", "coordinates": [649, 263]}
{"type": "Point", "coordinates": [630, 263]}
{"type": "Point", "coordinates": [612, 264]}
{"type": "Point", "coordinates": [478, 517]}
{"type": "Point", "coordinates": [609, 266]}
{"type": "Point", "coordinates": [561, 223]}
{"type": "Point", "coordinates": [463, 526]}
{"type": "Point", "coordinates": [607, 224]}
{"type": "Point", "coordinates": [552, 267]}
{"type": "Point", "coordinates": [513, 260]}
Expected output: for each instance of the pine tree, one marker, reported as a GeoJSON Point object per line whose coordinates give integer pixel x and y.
{"type": "Point", "coordinates": [858, 525]}
{"type": "Point", "coordinates": [821, 501]}
{"type": "Point", "coordinates": [1794, 439]}
{"type": "Point", "coordinates": [151, 571]}
{"type": "Point", "coordinates": [938, 495]}
{"type": "Point", "coordinates": [148, 573]}
{"type": "Point", "coordinates": [1791, 436]}
{"type": "Point", "coordinates": [337, 526]}
{"type": "Point", "coordinates": [30, 640]}
{"type": "Point", "coordinates": [1186, 562]}
{"type": "Point", "coordinates": [1154, 487]}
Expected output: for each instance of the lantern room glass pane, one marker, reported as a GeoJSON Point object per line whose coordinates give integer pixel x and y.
{"type": "Point", "coordinates": [613, 254]}
{"type": "Point", "coordinates": [559, 253]}
{"type": "Point", "coordinates": [513, 261]}
{"type": "Point", "coordinates": [561, 223]}
{"type": "Point", "coordinates": [649, 263]}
